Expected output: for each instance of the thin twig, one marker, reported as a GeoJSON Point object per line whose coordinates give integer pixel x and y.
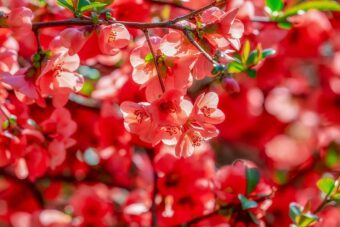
{"type": "Point", "coordinates": [155, 59]}
{"type": "Point", "coordinates": [37, 38]}
{"type": "Point", "coordinates": [189, 35]}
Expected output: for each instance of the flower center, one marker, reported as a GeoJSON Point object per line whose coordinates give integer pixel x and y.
{"type": "Point", "coordinates": [140, 116]}
{"type": "Point", "coordinates": [167, 107]}
{"type": "Point", "coordinates": [112, 36]}
{"type": "Point", "coordinates": [207, 111]}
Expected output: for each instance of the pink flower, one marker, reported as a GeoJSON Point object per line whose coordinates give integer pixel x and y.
{"type": "Point", "coordinates": [58, 78]}
{"type": "Point", "coordinates": [59, 127]}
{"type": "Point", "coordinates": [73, 39]}
{"type": "Point", "coordinates": [137, 120]}
{"type": "Point", "coordinates": [142, 61]}
{"type": "Point", "coordinates": [112, 38]}
{"type": "Point", "coordinates": [221, 28]}
{"type": "Point", "coordinates": [20, 21]}
{"type": "Point", "coordinates": [205, 109]}
{"type": "Point", "coordinates": [170, 109]}
{"type": "Point", "coordinates": [8, 60]}
{"type": "Point", "coordinates": [24, 86]}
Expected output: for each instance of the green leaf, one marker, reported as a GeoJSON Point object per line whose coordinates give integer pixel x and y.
{"type": "Point", "coordinates": [5, 124]}
{"type": "Point", "coordinates": [326, 184]}
{"type": "Point", "coordinates": [281, 176]}
{"type": "Point", "coordinates": [87, 88]}
{"type": "Point", "coordinates": [66, 4]}
{"type": "Point", "coordinates": [253, 178]}
{"type": "Point", "coordinates": [82, 3]}
{"type": "Point", "coordinates": [294, 212]}
{"type": "Point", "coordinates": [332, 157]}
{"type": "Point", "coordinates": [245, 51]}
{"type": "Point", "coordinates": [253, 58]}
{"type": "Point", "coordinates": [318, 5]}
{"type": "Point", "coordinates": [274, 5]}
{"type": "Point", "coordinates": [285, 25]}
{"type": "Point", "coordinates": [246, 203]}
{"type": "Point", "coordinates": [235, 67]}
{"type": "Point", "coordinates": [251, 73]}
{"type": "Point", "coordinates": [268, 52]}
{"type": "Point", "coordinates": [307, 219]}
{"type": "Point", "coordinates": [93, 5]}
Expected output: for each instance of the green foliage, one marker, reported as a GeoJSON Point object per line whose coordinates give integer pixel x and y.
{"type": "Point", "coordinates": [90, 6]}
{"type": "Point", "coordinates": [83, 5]}
{"type": "Point", "coordinates": [11, 121]}
{"type": "Point", "coordinates": [324, 5]}
{"type": "Point", "coordinates": [332, 156]}
{"type": "Point", "coordinates": [235, 67]}
{"type": "Point", "coordinates": [326, 185]}
{"type": "Point", "coordinates": [246, 59]}
{"type": "Point", "coordinates": [253, 178]}
{"type": "Point", "coordinates": [66, 4]}
{"type": "Point", "coordinates": [274, 5]}
{"type": "Point", "coordinates": [246, 203]}
{"type": "Point", "coordinates": [301, 217]}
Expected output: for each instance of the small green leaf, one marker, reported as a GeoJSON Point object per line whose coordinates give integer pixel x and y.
{"type": "Point", "coordinates": [148, 58]}
{"type": "Point", "coordinates": [89, 73]}
{"type": "Point", "coordinates": [253, 58]}
{"type": "Point", "coordinates": [93, 5]}
{"type": "Point", "coordinates": [332, 157]}
{"type": "Point", "coordinates": [307, 219]}
{"type": "Point", "coordinates": [281, 176]}
{"type": "Point", "coordinates": [326, 184]}
{"type": "Point", "coordinates": [285, 25]}
{"type": "Point", "coordinates": [66, 4]}
{"type": "Point", "coordinates": [246, 203]}
{"type": "Point", "coordinates": [274, 5]}
{"type": "Point", "coordinates": [251, 73]}
{"type": "Point", "coordinates": [245, 51]}
{"type": "Point", "coordinates": [268, 52]}
{"type": "Point", "coordinates": [294, 212]}
{"type": "Point", "coordinates": [305, 6]}
{"type": "Point", "coordinates": [87, 88]}
{"type": "Point", "coordinates": [253, 178]}
{"type": "Point", "coordinates": [235, 67]}
{"type": "Point", "coordinates": [5, 124]}
{"type": "Point", "coordinates": [82, 3]}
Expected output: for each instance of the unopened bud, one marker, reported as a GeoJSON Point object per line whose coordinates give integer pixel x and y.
{"type": "Point", "coordinates": [230, 85]}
